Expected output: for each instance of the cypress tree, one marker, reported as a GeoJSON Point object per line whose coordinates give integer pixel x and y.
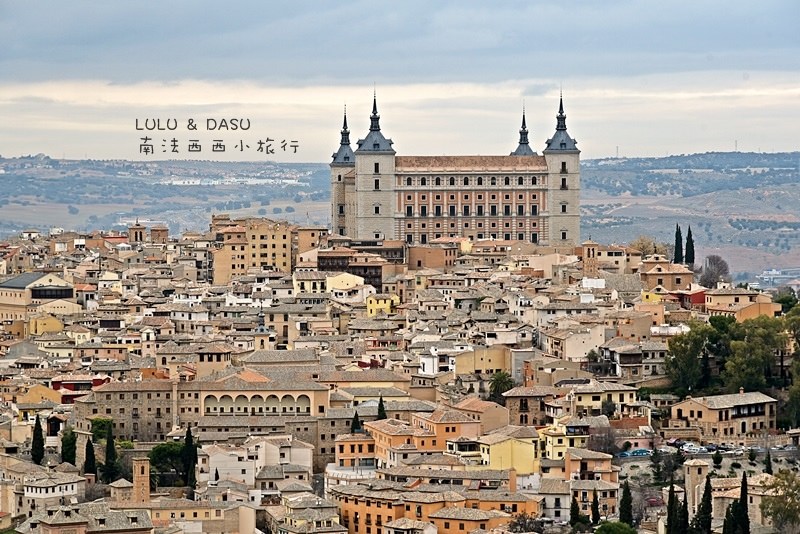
{"type": "Point", "coordinates": [729, 524]}
{"type": "Point", "coordinates": [768, 463]}
{"type": "Point", "coordinates": [743, 513]}
{"type": "Point", "coordinates": [672, 509]}
{"type": "Point", "coordinates": [678, 245]}
{"type": "Point", "coordinates": [701, 524]}
{"type": "Point", "coordinates": [216, 474]}
{"type": "Point", "coordinates": [381, 409]}
{"type": "Point", "coordinates": [188, 453]}
{"type": "Point", "coordinates": [688, 256]}
{"type": "Point", "coordinates": [595, 508]}
{"type": "Point", "coordinates": [111, 467]}
{"type": "Point", "coordinates": [89, 463]}
{"type": "Point", "coordinates": [37, 445]}
{"type": "Point", "coordinates": [626, 505]}
{"type": "Point", "coordinates": [683, 516]}
{"type": "Point", "coordinates": [574, 513]}
{"type": "Point", "coordinates": [355, 424]}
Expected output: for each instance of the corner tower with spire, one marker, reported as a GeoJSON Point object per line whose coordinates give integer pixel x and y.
{"type": "Point", "coordinates": [376, 203]}
{"type": "Point", "coordinates": [342, 182]}
{"type": "Point", "coordinates": [564, 182]}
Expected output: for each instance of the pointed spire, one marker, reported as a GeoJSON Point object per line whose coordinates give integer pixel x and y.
{"type": "Point", "coordinates": [345, 131]}
{"type": "Point", "coordinates": [523, 149]}
{"type": "Point", "coordinates": [561, 123]}
{"type": "Point", "coordinates": [374, 119]}
{"type": "Point", "coordinates": [523, 132]}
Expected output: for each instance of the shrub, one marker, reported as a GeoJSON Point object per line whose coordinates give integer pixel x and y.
{"type": "Point", "coordinates": [736, 465]}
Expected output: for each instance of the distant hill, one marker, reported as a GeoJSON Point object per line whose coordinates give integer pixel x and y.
{"type": "Point", "coordinates": [745, 206]}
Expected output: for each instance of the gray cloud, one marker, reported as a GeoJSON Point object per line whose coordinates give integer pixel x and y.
{"type": "Point", "coordinates": [363, 41]}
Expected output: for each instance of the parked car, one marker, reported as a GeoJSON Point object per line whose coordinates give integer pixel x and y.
{"type": "Point", "coordinates": [623, 454]}
{"type": "Point", "coordinates": [641, 452]}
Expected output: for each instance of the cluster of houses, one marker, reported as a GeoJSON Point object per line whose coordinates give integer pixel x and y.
{"type": "Point", "coordinates": [335, 385]}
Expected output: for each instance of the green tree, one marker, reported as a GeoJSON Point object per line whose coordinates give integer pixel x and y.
{"type": "Point", "coordinates": [678, 257]}
{"type": "Point", "coordinates": [786, 297]}
{"type": "Point", "coordinates": [37, 444]}
{"type": "Point", "coordinates": [768, 463]}
{"type": "Point", "coordinates": [729, 524]}
{"type": "Point", "coordinates": [615, 527]}
{"type": "Point", "coordinates": [168, 457]}
{"type": "Point", "coordinates": [688, 256]}
{"type": "Point", "coordinates": [742, 513]}
{"type": "Point", "coordinates": [781, 504]}
{"type": "Point", "coordinates": [381, 409]}
{"type": "Point", "coordinates": [595, 508]}
{"type": "Point", "coordinates": [701, 524]}
{"type": "Point", "coordinates": [575, 515]}
{"type": "Point", "coordinates": [355, 424]}
{"type": "Point", "coordinates": [499, 383]}
{"type": "Point", "coordinates": [608, 408]}
{"type": "Point", "coordinates": [717, 459]}
{"type": "Point", "coordinates": [216, 474]}
{"type": "Point", "coordinates": [524, 522]}
{"type": "Point", "coordinates": [672, 510]}
{"type": "Point", "coordinates": [753, 353]}
{"type": "Point", "coordinates": [89, 463]}
{"type": "Point", "coordinates": [626, 505]}
{"type": "Point", "coordinates": [683, 516]}
{"type": "Point", "coordinates": [100, 426]}
{"type": "Point", "coordinates": [111, 467]}
{"type": "Point", "coordinates": [69, 441]}
{"type": "Point", "coordinates": [656, 465]}
{"type": "Point", "coordinates": [189, 456]}
{"type": "Point", "coordinates": [684, 358]}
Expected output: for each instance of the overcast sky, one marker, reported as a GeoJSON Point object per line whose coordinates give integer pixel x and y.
{"type": "Point", "coordinates": [646, 78]}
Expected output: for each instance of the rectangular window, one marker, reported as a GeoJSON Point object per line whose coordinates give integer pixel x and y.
{"type": "Point", "coordinates": [378, 169]}
{"type": "Point", "coordinates": [377, 210]}
{"type": "Point", "coordinates": [563, 208]}
{"type": "Point", "coordinates": [377, 183]}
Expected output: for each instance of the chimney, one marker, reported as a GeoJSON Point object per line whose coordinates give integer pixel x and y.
{"type": "Point", "coordinates": [512, 479]}
{"type": "Point", "coordinates": [741, 391]}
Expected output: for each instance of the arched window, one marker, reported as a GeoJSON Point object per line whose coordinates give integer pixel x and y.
{"type": "Point", "coordinates": [466, 180]}
{"type": "Point", "coordinates": [533, 181]}
{"type": "Point", "coordinates": [408, 181]}
{"type": "Point", "coordinates": [520, 181]}
{"type": "Point", "coordinates": [506, 181]}
{"type": "Point", "coordinates": [438, 181]}
{"type": "Point", "coordinates": [452, 181]}
{"type": "Point", "coordinates": [423, 181]}
{"type": "Point", "coordinates": [494, 180]}
{"type": "Point", "coordinates": [480, 180]}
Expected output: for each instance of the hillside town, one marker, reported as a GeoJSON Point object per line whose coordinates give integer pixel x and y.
{"type": "Point", "coordinates": [269, 377]}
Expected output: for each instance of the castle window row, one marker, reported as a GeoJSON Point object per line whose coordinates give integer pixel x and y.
{"type": "Point", "coordinates": [411, 181]}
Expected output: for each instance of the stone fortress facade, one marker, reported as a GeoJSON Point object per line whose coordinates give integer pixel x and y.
{"type": "Point", "coordinates": [377, 195]}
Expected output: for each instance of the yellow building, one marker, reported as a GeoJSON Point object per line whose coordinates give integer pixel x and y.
{"type": "Point", "coordinates": [512, 447]}
{"type": "Point", "coordinates": [382, 303]}
{"type": "Point", "coordinates": [726, 418]}
{"type": "Point", "coordinates": [26, 291]}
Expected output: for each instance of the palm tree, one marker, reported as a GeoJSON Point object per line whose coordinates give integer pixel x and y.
{"type": "Point", "coordinates": [499, 384]}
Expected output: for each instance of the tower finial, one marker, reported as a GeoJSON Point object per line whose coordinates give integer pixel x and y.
{"type": "Point", "coordinates": [344, 123]}
{"type": "Point", "coordinates": [561, 118]}
{"type": "Point", "coordinates": [374, 119]}
{"type": "Point", "coordinates": [524, 148]}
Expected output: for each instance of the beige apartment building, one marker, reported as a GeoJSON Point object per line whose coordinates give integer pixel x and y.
{"type": "Point", "coordinates": [258, 244]}
{"type": "Point", "coordinates": [418, 199]}
{"type": "Point", "coordinates": [726, 418]}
